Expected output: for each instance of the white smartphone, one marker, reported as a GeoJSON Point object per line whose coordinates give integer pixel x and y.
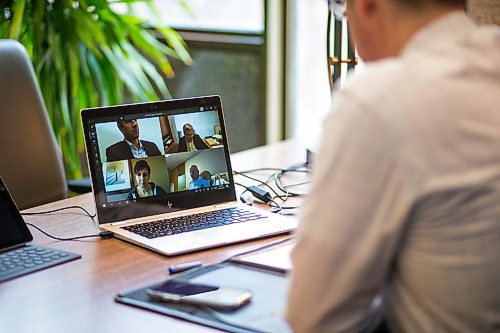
{"type": "Point", "coordinates": [226, 298]}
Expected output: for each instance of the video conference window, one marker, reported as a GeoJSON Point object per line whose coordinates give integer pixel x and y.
{"type": "Point", "coordinates": [191, 132]}
{"type": "Point", "coordinates": [129, 138]}
{"type": "Point", "coordinates": [151, 157]}
{"type": "Point", "coordinates": [197, 170]}
{"type": "Point", "coordinates": [150, 177]}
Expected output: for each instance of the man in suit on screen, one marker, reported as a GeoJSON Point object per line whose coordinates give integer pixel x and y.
{"type": "Point", "coordinates": [130, 147]}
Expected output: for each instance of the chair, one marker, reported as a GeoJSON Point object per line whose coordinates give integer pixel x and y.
{"type": "Point", "coordinates": [31, 163]}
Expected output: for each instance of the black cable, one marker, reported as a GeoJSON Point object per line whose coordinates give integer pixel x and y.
{"type": "Point", "coordinates": [60, 238]}
{"type": "Point", "coordinates": [277, 178]}
{"type": "Point", "coordinates": [103, 234]}
{"type": "Point", "coordinates": [60, 209]}
{"type": "Point", "coordinates": [257, 180]}
{"type": "Point", "coordinates": [274, 204]}
{"type": "Point", "coordinates": [260, 169]}
{"type": "Point", "coordinates": [287, 207]}
{"type": "Point", "coordinates": [284, 188]}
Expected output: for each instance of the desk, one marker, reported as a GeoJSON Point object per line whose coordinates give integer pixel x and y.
{"type": "Point", "coordinates": [79, 296]}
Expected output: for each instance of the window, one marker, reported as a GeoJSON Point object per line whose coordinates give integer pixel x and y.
{"type": "Point", "coordinates": [227, 40]}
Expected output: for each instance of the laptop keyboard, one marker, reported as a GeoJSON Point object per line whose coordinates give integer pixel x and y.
{"type": "Point", "coordinates": [31, 258]}
{"type": "Point", "coordinates": [177, 225]}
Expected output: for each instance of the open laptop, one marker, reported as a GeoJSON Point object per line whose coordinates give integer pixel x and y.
{"type": "Point", "coordinates": [171, 201]}
{"type": "Point", "coordinates": [17, 256]}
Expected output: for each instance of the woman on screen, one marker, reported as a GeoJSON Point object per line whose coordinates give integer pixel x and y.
{"type": "Point", "coordinates": [144, 188]}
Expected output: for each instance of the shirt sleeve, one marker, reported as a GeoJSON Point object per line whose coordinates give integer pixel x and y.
{"type": "Point", "coordinates": [350, 225]}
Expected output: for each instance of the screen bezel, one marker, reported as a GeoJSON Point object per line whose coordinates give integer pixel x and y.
{"type": "Point", "coordinates": [175, 201]}
{"type": "Point", "coordinates": [16, 217]}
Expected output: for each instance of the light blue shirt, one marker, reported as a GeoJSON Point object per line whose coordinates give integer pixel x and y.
{"type": "Point", "coordinates": [137, 152]}
{"type": "Point", "coordinates": [198, 183]}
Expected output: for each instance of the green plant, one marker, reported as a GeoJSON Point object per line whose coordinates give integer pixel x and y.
{"type": "Point", "coordinates": [87, 54]}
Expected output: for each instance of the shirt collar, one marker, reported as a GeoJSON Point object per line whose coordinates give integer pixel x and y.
{"type": "Point", "coordinates": [131, 145]}
{"type": "Point", "coordinates": [436, 34]}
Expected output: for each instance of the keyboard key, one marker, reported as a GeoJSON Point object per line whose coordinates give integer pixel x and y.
{"type": "Point", "coordinates": [176, 225]}
{"type": "Point", "coordinates": [29, 259]}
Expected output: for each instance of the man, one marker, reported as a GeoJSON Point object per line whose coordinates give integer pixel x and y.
{"type": "Point", "coordinates": [219, 180]}
{"type": "Point", "coordinates": [409, 169]}
{"type": "Point", "coordinates": [190, 141]}
{"type": "Point", "coordinates": [197, 181]}
{"type": "Point", "coordinates": [131, 146]}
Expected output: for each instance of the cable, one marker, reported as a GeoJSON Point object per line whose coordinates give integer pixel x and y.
{"type": "Point", "coordinates": [257, 180]}
{"type": "Point", "coordinates": [262, 194]}
{"type": "Point", "coordinates": [284, 188]}
{"type": "Point", "coordinates": [60, 238]}
{"type": "Point", "coordinates": [60, 209]}
{"type": "Point", "coordinates": [103, 234]}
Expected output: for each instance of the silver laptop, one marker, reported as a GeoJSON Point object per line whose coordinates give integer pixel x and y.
{"type": "Point", "coordinates": [162, 178]}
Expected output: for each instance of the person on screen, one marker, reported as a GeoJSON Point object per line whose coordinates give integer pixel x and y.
{"type": "Point", "coordinates": [219, 180]}
{"type": "Point", "coordinates": [197, 181]}
{"type": "Point", "coordinates": [144, 188]}
{"type": "Point", "coordinates": [130, 147]}
{"type": "Point", "coordinates": [190, 141]}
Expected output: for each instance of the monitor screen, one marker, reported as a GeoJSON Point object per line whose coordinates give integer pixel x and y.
{"type": "Point", "coordinates": [169, 154]}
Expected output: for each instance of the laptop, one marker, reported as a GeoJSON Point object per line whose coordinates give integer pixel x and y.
{"type": "Point", "coordinates": [171, 200]}
{"type": "Point", "coordinates": [17, 256]}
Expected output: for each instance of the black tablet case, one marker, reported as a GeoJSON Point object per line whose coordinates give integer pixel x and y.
{"type": "Point", "coordinates": [264, 313]}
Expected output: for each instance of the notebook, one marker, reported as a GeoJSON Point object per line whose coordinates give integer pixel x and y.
{"type": "Point", "coordinates": [154, 168]}
{"type": "Point", "coordinates": [17, 256]}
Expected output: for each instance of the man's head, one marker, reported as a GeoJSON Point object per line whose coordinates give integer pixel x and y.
{"type": "Point", "coordinates": [142, 173]}
{"type": "Point", "coordinates": [188, 132]}
{"type": "Point", "coordinates": [381, 28]}
{"type": "Point", "coordinates": [129, 128]}
{"type": "Point", "coordinates": [194, 172]}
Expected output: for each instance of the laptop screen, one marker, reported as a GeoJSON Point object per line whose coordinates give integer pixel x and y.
{"type": "Point", "coordinates": [153, 158]}
{"type": "Point", "coordinates": [13, 230]}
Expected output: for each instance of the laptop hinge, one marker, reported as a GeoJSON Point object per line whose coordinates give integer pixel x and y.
{"type": "Point", "coordinates": [223, 205]}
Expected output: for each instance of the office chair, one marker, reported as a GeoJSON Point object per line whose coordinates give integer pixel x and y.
{"type": "Point", "coordinates": [31, 163]}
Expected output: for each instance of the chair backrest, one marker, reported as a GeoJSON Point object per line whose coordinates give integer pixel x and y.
{"type": "Point", "coordinates": [30, 159]}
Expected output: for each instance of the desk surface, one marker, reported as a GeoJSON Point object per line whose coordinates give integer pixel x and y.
{"type": "Point", "coordinates": [79, 296]}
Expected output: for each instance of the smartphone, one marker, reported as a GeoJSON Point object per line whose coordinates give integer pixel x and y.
{"type": "Point", "coordinates": [226, 298]}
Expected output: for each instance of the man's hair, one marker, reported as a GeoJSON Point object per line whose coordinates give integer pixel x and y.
{"type": "Point", "coordinates": [142, 164]}
{"type": "Point", "coordinates": [187, 127]}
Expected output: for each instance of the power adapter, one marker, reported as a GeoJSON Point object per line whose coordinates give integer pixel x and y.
{"type": "Point", "coordinates": [260, 194]}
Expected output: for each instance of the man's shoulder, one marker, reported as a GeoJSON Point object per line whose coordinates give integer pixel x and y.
{"type": "Point", "coordinates": [375, 79]}
{"type": "Point", "coordinates": [147, 143]}
{"type": "Point", "coordinates": [116, 145]}
{"type": "Point", "coordinates": [150, 147]}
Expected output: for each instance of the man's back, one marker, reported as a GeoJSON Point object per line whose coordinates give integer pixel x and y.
{"type": "Point", "coordinates": [448, 269]}
{"type": "Point", "coordinates": [411, 174]}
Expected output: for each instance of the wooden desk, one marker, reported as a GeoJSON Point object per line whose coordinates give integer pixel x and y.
{"type": "Point", "coordinates": [79, 296]}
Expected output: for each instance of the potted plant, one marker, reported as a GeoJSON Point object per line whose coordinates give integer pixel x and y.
{"type": "Point", "coordinates": [86, 54]}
